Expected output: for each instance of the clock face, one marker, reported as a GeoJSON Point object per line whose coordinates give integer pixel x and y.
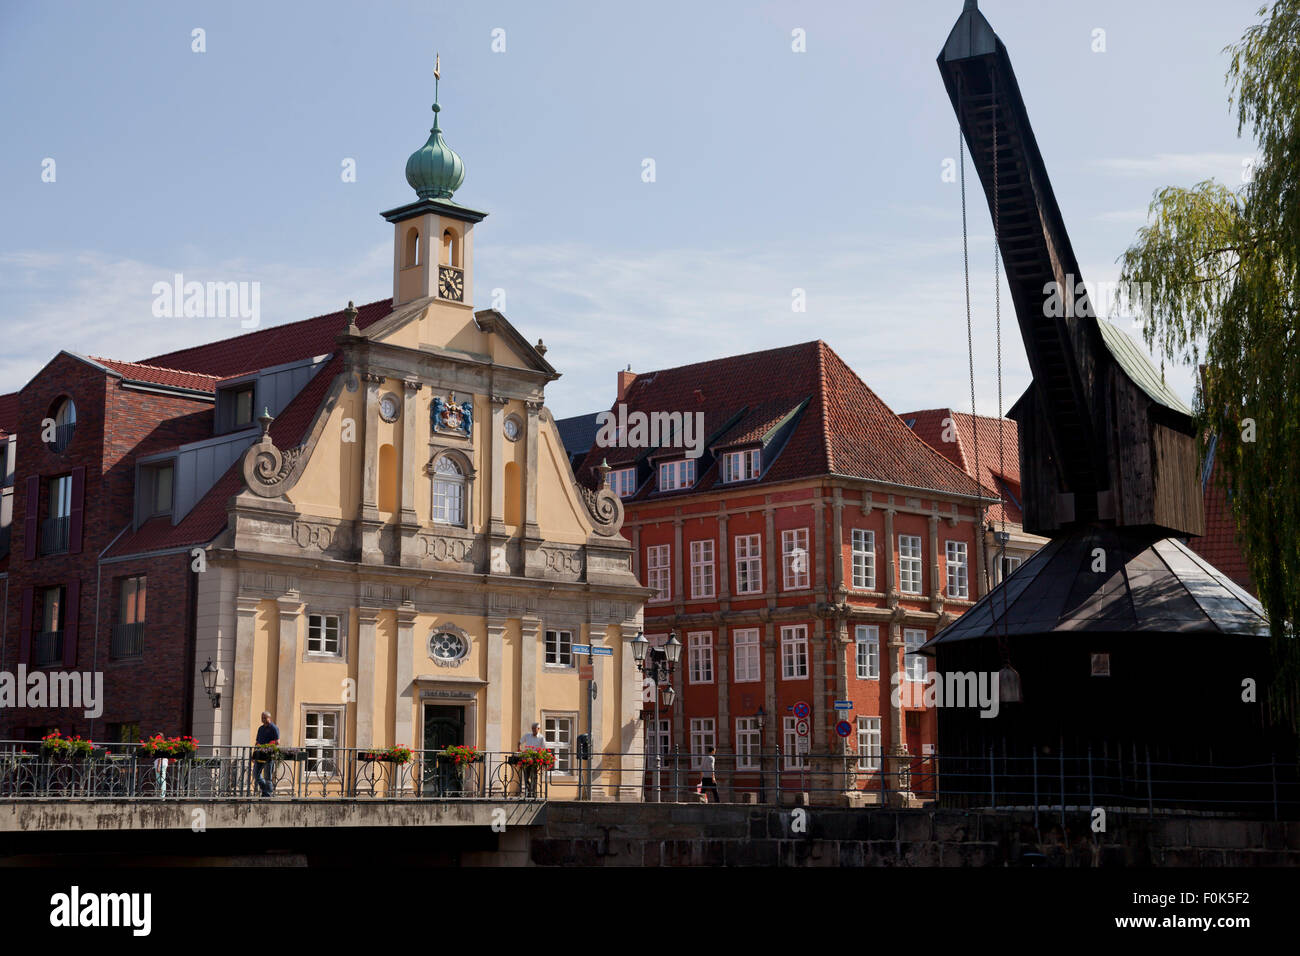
{"type": "Point", "coordinates": [388, 409]}
{"type": "Point", "coordinates": [512, 428]}
{"type": "Point", "coordinates": [451, 284]}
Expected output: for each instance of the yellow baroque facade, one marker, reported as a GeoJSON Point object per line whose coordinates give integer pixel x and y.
{"type": "Point", "coordinates": [417, 566]}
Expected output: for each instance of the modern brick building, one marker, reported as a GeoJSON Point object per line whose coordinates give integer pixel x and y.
{"type": "Point", "coordinates": [814, 541]}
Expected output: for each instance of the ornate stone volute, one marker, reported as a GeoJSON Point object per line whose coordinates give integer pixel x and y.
{"type": "Point", "coordinates": [269, 472]}
{"type": "Point", "coordinates": [605, 509]}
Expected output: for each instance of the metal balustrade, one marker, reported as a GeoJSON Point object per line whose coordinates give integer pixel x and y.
{"type": "Point", "coordinates": [127, 640]}
{"type": "Point", "coordinates": [55, 535]}
{"type": "Point", "coordinates": [47, 648]}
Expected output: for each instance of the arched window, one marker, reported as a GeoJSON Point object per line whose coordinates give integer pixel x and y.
{"type": "Point", "coordinates": [64, 413]}
{"type": "Point", "coordinates": [448, 492]}
{"type": "Point", "coordinates": [450, 249]}
{"type": "Point", "coordinates": [412, 248]}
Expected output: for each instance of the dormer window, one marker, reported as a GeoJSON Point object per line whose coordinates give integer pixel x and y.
{"type": "Point", "coordinates": [243, 407]}
{"type": "Point", "coordinates": [675, 475]}
{"type": "Point", "coordinates": [623, 482]}
{"type": "Point", "coordinates": [741, 465]}
{"type": "Point", "coordinates": [157, 490]}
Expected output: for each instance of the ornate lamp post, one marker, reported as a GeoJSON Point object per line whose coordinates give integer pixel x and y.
{"type": "Point", "coordinates": [210, 675]}
{"type": "Point", "coordinates": [658, 664]}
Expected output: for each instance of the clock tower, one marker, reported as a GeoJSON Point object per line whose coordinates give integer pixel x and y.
{"type": "Point", "coordinates": [433, 244]}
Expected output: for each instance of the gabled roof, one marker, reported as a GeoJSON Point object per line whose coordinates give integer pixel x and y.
{"type": "Point", "coordinates": [843, 429]}
{"type": "Point", "coordinates": [277, 345]}
{"type": "Point", "coordinates": [998, 444]}
{"type": "Point", "coordinates": [578, 433]}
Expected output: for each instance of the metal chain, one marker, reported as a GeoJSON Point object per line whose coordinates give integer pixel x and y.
{"type": "Point", "coordinates": [970, 341]}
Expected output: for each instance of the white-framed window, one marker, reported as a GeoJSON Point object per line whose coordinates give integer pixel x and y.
{"type": "Point", "coordinates": [675, 475]}
{"type": "Point", "coordinates": [864, 559]}
{"type": "Point", "coordinates": [794, 558]}
{"type": "Point", "coordinates": [749, 563]}
{"type": "Point", "coordinates": [320, 739]}
{"type": "Point", "coordinates": [866, 641]}
{"type": "Point", "coordinates": [658, 740]}
{"type": "Point", "coordinates": [749, 741]}
{"type": "Point", "coordinates": [704, 734]}
{"type": "Point", "coordinates": [702, 579]}
{"type": "Point", "coordinates": [699, 654]}
{"type": "Point", "coordinates": [909, 563]}
{"type": "Point", "coordinates": [557, 731]}
{"type": "Point", "coordinates": [956, 564]}
{"type": "Point", "coordinates": [623, 482]}
{"type": "Point", "coordinates": [658, 570]}
{"type": "Point", "coordinates": [793, 759]}
{"type": "Point", "coordinates": [868, 743]}
{"type": "Point", "coordinates": [559, 648]}
{"type": "Point", "coordinates": [747, 651]}
{"type": "Point", "coordinates": [913, 664]}
{"type": "Point", "coordinates": [741, 465]}
{"type": "Point", "coordinates": [448, 492]}
{"type": "Point", "coordinates": [323, 634]}
{"type": "Point", "coordinates": [794, 651]}
{"type": "Point", "coordinates": [1009, 565]}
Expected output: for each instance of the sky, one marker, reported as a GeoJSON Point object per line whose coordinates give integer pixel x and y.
{"type": "Point", "coordinates": [775, 170]}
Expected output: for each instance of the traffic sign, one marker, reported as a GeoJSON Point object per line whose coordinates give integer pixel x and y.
{"type": "Point", "coordinates": [844, 705]}
{"type": "Point", "coordinates": [801, 744]}
{"type": "Point", "coordinates": [844, 728]}
{"type": "Point", "coordinates": [801, 728]}
{"type": "Point", "coordinates": [582, 648]}
{"type": "Point", "coordinates": [801, 709]}
{"type": "Point", "coordinates": [602, 651]}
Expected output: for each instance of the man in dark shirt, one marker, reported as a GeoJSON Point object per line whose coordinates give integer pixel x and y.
{"type": "Point", "coordinates": [264, 766]}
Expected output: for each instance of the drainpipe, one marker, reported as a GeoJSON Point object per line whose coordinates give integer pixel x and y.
{"type": "Point", "coordinates": [99, 569]}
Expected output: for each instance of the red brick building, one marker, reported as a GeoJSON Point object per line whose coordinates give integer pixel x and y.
{"type": "Point", "coordinates": [114, 472]}
{"type": "Point", "coordinates": [811, 544]}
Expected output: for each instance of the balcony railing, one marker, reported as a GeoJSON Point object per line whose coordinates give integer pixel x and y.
{"type": "Point", "coordinates": [63, 436]}
{"type": "Point", "coordinates": [47, 648]}
{"type": "Point", "coordinates": [54, 535]}
{"type": "Point", "coordinates": [128, 640]}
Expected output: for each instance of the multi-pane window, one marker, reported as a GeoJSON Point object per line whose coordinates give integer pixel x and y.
{"type": "Point", "coordinates": [559, 648]}
{"type": "Point", "coordinates": [748, 743]}
{"type": "Point", "coordinates": [909, 563]}
{"type": "Point", "coordinates": [658, 739]}
{"type": "Point", "coordinates": [794, 651]}
{"type": "Point", "coordinates": [623, 482]}
{"type": "Point", "coordinates": [702, 580]}
{"type": "Point", "coordinates": [794, 558]}
{"type": "Point", "coordinates": [658, 566]}
{"type": "Point", "coordinates": [558, 734]}
{"type": "Point", "coordinates": [674, 475]}
{"type": "Point", "coordinates": [868, 743]}
{"type": "Point", "coordinates": [1009, 565]}
{"type": "Point", "coordinates": [793, 759]}
{"type": "Point", "coordinates": [956, 563]}
{"type": "Point", "coordinates": [699, 650]}
{"type": "Point", "coordinates": [749, 564]}
{"type": "Point", "coordinates": [747, 654]}
{"type": "Point", "coordinates": [448, 492]}
{"type": "Point", "coordinates": [128, 633]}
{"type": "Point", "coordinates": [867, 643]}
{"type": "Point", "coordinates": [703, 735]}
{"type": "Point", "coordinates": [323, 634]}
{"type": "Point", "coordinates": [320, 738]}
{"type": "Point", "coordinates": [740, 465]}
{"type": "Point", "coordinates": [913, 663]}
{"type": "Point", "coordinates": [864, 559]}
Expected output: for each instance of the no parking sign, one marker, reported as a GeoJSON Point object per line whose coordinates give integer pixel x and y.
{"type": "Point", "coordinates": [844, 728]}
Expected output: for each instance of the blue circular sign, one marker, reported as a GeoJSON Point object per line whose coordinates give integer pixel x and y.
{"type": "Point", "coordinates": [801, 709]}
{"type": "Point", "coordinates": [844, 728]}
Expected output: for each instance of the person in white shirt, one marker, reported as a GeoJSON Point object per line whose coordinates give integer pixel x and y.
{"type": "Point", "coordinates": [708, 780]}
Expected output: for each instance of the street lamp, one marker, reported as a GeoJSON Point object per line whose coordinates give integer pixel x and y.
{"type": "Point", "coordinates": [210, 675]}
{"type": "Point", "coordinates": [658, 664]}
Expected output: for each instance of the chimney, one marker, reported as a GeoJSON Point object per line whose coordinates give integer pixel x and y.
{"type": "Point", "coordinates": [625, 380]}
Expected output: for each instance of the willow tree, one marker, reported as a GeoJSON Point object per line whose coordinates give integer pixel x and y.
{"type": "Point", "coordinates": [1223, 265]}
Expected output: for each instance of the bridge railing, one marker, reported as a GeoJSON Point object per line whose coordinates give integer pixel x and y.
{"type": "Point", "coordinates": [128, 771]}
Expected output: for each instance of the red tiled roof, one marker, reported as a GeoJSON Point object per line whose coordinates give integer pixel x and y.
{"type": "Point", "coordinates": [845, 429]}
{"type": "Point", "coordinates": [1219, 543]}
{"type": "Point", "coordinates": [276, 345]}
{"type": "Point", "coordinates": [997, 467]}
{"type": "Point", "coordinates": [208, 517]}
{"type": "Point", "coordinates": [175, 378]}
